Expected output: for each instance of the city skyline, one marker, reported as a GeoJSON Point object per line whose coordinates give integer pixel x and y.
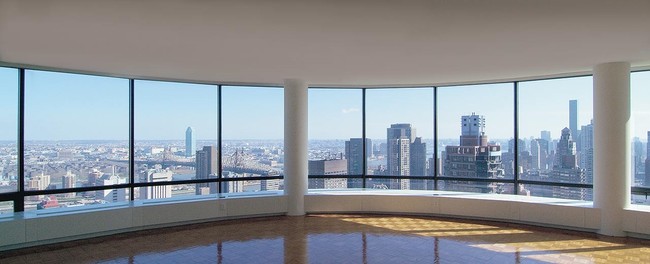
{"type": "Point", "coordinates": [468, 163]}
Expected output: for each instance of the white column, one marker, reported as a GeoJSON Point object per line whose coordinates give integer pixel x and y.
{"type": "Point", "coordinates": [295, 145]}
{"type": "Point", "coordinates": [612, 154]}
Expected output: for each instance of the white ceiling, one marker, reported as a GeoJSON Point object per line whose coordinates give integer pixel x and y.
{"type": "Point", "coordinates": [326, 42]}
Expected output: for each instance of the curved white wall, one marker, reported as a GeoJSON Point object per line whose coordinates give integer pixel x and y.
{"type": "Point", "coordinates": [45, 227]}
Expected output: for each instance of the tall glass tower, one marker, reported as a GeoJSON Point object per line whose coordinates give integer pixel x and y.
{"type": "Point", "coordinates": [190, 142]}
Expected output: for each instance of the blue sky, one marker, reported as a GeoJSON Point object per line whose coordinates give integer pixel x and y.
{"type": "Point", "coordinates": [69, 106]}
{"type": "Point", "coordinates": [164, 110]}
{"type": "Point", "coordinates": [8, 103]}
{"type": "Point", "coordinates": [62, 106]}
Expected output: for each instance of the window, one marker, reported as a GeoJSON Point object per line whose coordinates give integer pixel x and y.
{"type": "Point", "coordinates": [335, 137]}
{"type": "Point", "coordinates": [399, 123]}
{"type": "Point", "coordinates": [475, 126]}
{"type": "Point", "coordinates": [640, 85]}
{"type": "Point", "coordinates": [556, 136]}
{"type": "Point", "coordinates": [253, 137]}
{"type": "Point", "coordinates": [8, 133]}
{"type": "Point", "coordinates": [76, 135]}
{"type": "Point", "coordinates": [175, 137]}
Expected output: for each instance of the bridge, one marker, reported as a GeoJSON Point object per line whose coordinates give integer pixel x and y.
{"type": "Point", "coordinates": [238, 162]}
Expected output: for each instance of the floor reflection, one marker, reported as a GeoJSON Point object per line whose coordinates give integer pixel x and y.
{"type": "Point", "coordinates": [342, 239]}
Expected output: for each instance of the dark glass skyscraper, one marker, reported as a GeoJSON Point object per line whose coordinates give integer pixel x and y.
{"type": "Point", "coordinates": [354, 154]}
{"type": "Point", "coordinates": [418, 158]}
{"type": "Point", "coordinates": [206, 167]}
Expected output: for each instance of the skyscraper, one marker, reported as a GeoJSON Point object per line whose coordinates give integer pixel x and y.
{"type": "Point", "coordinates": [190, 142]}
{"type": "Point", "coordinates": [535, 154]}
{"type": "Point", "coordinates": [573, 118]}
{"type": "Point", "coordinates": [473, 130]}
{"type": "Point", "coordinates": [545, 135]}
{"type": "Point", "coordinates": [418, 163]}
{"type": "Point", "coordinates": [566, 169]}
{"type": "Point", "coordinates": [354, 154]}
{"type": "Point", "coordinates": [206, 167]}
{"type": "Point", "coordinates": [405, 155]}
{"type": "Point", "coordinates": [566, 151]}
{"type": "Point", "coordinates": [544, 162]}
{"type": "Point", "coordinates": [474, 158]}
{"type": "Point", "coordinates": [399, 139]}
{"type": "Point", "coordinates": [418, 158]}
{"type": "Point", "coordinates": [587, 151]}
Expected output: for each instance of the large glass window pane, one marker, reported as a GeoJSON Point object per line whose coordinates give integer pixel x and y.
{"type": "Point", "coordinates": [335, 137]}
{"type": "Point", "coordinates": [475, 128]}
{"type": "Point", "coordinates": [76, 130]}
{"type": "Point", "coordinates": [253, 134]}
{"type": "Point", "coordinates": [175, 137]}
{"type": "Point", "coordinates": [556, 135]}
{"type": "Point", "coordinates": [640, 85]}
{"type": "Point", "coordinates": [400, 124]}
{"type": "Point", "coordinates": [8, 130]}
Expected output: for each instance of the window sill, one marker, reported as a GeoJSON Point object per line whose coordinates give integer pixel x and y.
{"type": "Point", "coordinates": [449, 194]}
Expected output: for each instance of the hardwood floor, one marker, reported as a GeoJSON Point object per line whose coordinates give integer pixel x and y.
{"type": "Point", "coordinates": [342, 239]}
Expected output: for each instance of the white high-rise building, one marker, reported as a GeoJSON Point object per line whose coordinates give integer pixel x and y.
{"type": "Point", "coordinates": [156, 192]}
{"type": "Point", "coordinates": [111, 195]}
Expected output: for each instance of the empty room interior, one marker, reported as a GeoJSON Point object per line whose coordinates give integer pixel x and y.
{"type": "Point", "coordinates": [318, 131]}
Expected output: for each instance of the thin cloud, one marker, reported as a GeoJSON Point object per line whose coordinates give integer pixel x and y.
{"type": "Point", "coordinates": [349, 110]}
